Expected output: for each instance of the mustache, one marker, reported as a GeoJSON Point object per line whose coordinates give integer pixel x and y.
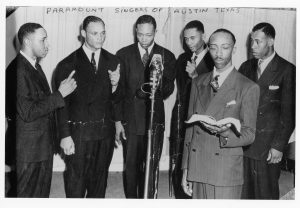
{"type": "Point", "coordinates": [218, 59]}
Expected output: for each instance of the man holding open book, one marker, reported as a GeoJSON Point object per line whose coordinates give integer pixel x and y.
{"type": "Point", "coordinates": [213, 156]}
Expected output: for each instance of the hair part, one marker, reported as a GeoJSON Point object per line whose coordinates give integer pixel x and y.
{"type": "Point", "coordinates": [194, 24]}
{"type": "Point", "coordinates": [26, 29]}
{"type": "Point", "coordinates": [223, 31]}
{"type": "Point", "coordinates": [266, 28]}
{"type": "Point", "coordinates": [146, 19]}
{"type": "Point", "coordinates": [90, 19]}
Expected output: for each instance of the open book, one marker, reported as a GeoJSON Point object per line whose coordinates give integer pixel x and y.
{"type": "Point", "coordinates": [235, 123]}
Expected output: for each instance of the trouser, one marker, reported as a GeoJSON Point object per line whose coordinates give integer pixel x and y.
{"type": "Point", "coordinates": [87, 170]}
{"type": "Point", "coordinates": [260, 179]}
{"type": "Point", "coordinates": [135, 149]}
{"type": "Point", "coordinates": [34, 178]}
{"type": "Point", "coordinates": [207, 191]}
{"type": "Point", "coordinates": [176, 149]}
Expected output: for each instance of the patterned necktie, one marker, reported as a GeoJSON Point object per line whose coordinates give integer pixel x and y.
{"type": "Point", "coordinates": [259, 68]}
{"type": "Point", "coordinates": [215, 84]}
{"type": "Point", "coordinates": [93, 62]}
{"type": "Point", "coordinates": [145, 58]}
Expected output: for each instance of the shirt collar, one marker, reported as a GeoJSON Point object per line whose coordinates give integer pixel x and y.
{"type": "Point", "coordinates": [266, 61]}
{"type": "Point", "coordinates": [89, 52]}
{"type": "Point", "coordinates": [142, 50]}
{"type": "Point", "coordinates": [31, 60]}
{"type": "Point", "coordinates": [200, 55]}
{"type": "Point", "coordinates": [223, 75]}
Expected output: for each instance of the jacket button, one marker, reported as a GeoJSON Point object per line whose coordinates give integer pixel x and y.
{"type": "Point", "coordinates": [216, 153]}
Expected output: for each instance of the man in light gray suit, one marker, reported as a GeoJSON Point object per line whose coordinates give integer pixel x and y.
{"type": "Point", "coordinates": [213, 156]}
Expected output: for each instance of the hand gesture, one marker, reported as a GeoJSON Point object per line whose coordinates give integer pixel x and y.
{"type": "Point", "coordinates": [67, 145]}
{"type": "Point", "coordinates": [68, 85]}
{"type": "Point", "coordinates": [191, 69]}
{"type": "Point", "coordinates": [114, 76]}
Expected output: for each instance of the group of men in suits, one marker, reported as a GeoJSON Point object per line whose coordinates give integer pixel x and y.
{"type": "Point", "coordinates": [217, 163]}
{"type": "Point", "coordinates": [99, 101]}
{"type": "Point", "coordinates": [105, 106]}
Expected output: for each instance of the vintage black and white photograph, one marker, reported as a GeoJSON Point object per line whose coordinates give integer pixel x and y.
{"type": "Point", "coordinates": [150, 102]}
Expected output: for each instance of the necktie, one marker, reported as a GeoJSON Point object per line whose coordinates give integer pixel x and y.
{"type": "Point", "coordinates": [93, 62]}
{"type": "Point", "coordinates": [259, 68]}
{"type": "Point", "coordinates": [195, 58]}
{"type": "Point", "coordinates": [42, 74]}
{"type": "Point", "coordinates": [145, 58]}
{"type": "Point", "coordinates": [215, 84]}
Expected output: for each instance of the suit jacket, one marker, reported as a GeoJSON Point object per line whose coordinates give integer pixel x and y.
{"type": "Point", "coordinates": [92, 107]}
{"type": "Point", "coordinates": [205, 160]}
{"type": "Point", "coordinates": [133, 75]}
{"type": "Point", "coordinates": [276, 110]}
{"type": "Point", "coordinates": [184, 87]}
{"type": "Point", "coordinates": [30, 106]}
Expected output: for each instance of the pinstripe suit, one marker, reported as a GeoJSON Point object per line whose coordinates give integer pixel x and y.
{"type": "Point", "coordinates": [205, 160]}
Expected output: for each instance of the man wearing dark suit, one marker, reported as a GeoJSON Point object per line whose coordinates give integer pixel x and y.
{"type": "Point", "coordinates": [30, 108]}
{"type": "Point", "coordinates": [213, 156]}
{"type": "Point", "coordinates": [194, 62]}
{"type": "Point", "coordinates": [276, 78]}
{"type": "Point", "coordinates": [135, 69]}
{"type": "Point", "coordinates": [86, 123]}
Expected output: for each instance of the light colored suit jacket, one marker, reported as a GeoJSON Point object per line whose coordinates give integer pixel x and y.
{"type": "Point", "coordinates": [205, 160]}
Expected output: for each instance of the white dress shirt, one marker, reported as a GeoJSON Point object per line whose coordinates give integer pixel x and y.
{"type": "Point", "coordinates": [89, 52]}
{"type": "Point", "coordinates": [143, 51]}
{"type": "Point", "coordinates": [223, 75]}
{"type": "Point", "coordinates": [200, 56]}
{"type": "Point", "coordinates": [265, 62]}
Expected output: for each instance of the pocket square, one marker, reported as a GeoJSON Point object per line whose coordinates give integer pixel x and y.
{"type": "Point", "coordinates": [273, 87]}
{"type": "Point", "coordinates": [230, 103]}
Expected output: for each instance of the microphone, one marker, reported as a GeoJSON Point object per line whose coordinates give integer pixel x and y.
{"type": "Point", "coordinates": [156, 70]}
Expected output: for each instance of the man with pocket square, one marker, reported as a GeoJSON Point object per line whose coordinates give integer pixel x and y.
{"type": "Point", "coordinates": [213, 157]}
{"type": "Point", "coordinates": [275, 117]}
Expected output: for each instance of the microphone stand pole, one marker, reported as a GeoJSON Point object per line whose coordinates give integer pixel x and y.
{"type": "Point", "coordinates": [149, 143]}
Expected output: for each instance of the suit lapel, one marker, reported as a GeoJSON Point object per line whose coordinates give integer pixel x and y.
{"type": "Point", "coordinates": [202, 67]}
{"type": "Point", "coordinates": [43, 83]}
{"type": "Point", "coordinates": [268, 75]}
{"type": "Point", "coordinates": [139, 69]}
{"type": "Point", "coordinates": [219, 100]}
{"type": "Point", "coordinates": [85, 73]}
{"type": "Point", "coordinates": [204, 91]}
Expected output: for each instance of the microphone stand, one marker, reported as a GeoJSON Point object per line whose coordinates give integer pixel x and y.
{"type": "Point", "coordinates": [149, 141]}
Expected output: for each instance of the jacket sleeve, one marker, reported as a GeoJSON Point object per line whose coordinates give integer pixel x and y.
{"type": "Point", "coordinates": [28, 106]}
{"type": "Point", "coordinates": [189, 129]}
{"type": "Point", "coordinates": [61, 73]}
{"type": "Point", "coordinates": [248, 115]}
{"type": "Point", "coordinates": [286, 124]}
{"type": "Point", "coordinates": [119, 95]}
{"type": "Point", "coordinates": [168, 78]}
